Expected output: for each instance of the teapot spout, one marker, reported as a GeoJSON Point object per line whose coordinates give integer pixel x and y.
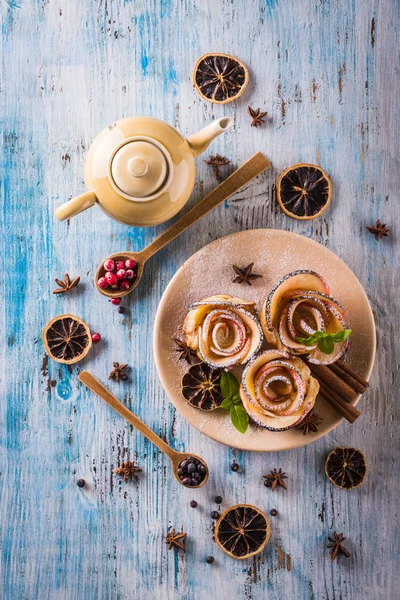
{"type": "Point", "coordinates": [200, 141]}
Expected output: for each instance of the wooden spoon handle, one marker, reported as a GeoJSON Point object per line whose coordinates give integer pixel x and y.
{"type": "Point", "coordinates": [93, 384]}
{"type": "Point", "coordinates": [241, 177]}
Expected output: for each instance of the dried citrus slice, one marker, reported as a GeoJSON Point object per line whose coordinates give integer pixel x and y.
{"type": "Point", "coordinates": [242, 531]}
{"type": "Point", "coordinates": [304, 191]}
{"type": "Point", "coordinates": [201, 387]}
{"type": "Point", "coordinates": [67, 339]}
{"type": "Point", "coordinates": [346, 467]}
{"type": "Point", "coordinates": [220, 78]}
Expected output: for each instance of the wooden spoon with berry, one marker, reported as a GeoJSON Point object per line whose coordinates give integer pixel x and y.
{"type": "Point", "coordinates": [190, 470]}
{"type": "Point", "coordinates": [121, 272]}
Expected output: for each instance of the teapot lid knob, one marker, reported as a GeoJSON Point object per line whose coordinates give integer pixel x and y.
{"type": "Point", "coordinates": [139, 168]}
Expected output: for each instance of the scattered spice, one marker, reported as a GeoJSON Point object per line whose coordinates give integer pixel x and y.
{"type": "Point", "coordinates": [193, 504]}
{"type": "Point", "coordinates": [245, 275]}
{"type": "Point", "coordinates": [234, 467]}
{"type": "Point", "coordinates": [273, 512]}
{"type": "Point", "coordinates": [215, 514]}
{"type": "Point", "coordinates": [310, 423]}
{"type": "Point", "coordinates": [275, 478]}
{"type": "Point", "coordinates": [174, 539]}
{"type": "Point", "coordinates": [67, 285]}
{"type": "Point", "coordinates": [336, 545]}
{"type": "Point", "coordinates": [129, 470]}
{"type": "Point", "coordinates": [218, 499]}
{"type": "Point", "coordinates": [216, 162]}
{"type": "Point", "coordinates": [257, 116]}
{"type": "Point", "coordinates": [81, 483]}
{"type": "Point", "coordinates": [118, 372]}
{"type": "Point", "coordinates": [380, 230]}
{"type": "Point", "coordinates": [209, 560]}
{"type": "Point", "coordinates": [184, 351]}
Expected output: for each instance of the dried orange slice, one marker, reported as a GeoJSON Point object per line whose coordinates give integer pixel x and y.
{"type": "Point", "coordinates": [201, 387]}
{"type": "Point", "coordinates": [220, 78]}
{"type": "Point", "coordinates": [242, 531]}
{"type": "Point", "coordinates": [304, 191]}
{"type": "Point", "coordinates": [67, 339]}
{"type": "Point", "coordinates": [346, 467]}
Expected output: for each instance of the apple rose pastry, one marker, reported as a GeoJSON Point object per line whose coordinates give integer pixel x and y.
{"type": "Point", "coordinates": [224, 331]}
{"type": "Point", "coordinates": [278, 390]}
{"type": "Point", "coordinates": [301, 317]}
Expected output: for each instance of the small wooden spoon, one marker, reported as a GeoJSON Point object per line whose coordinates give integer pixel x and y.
{"type": "Point", "coordinates": [241, 177]}
{"type": "Point", "coordinates": [175, 457]}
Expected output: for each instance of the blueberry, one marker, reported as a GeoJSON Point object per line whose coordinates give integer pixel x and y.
{"type": "Point", "coordinates": [183, 464]}
{"type": "Point", "coordinates": [218, 499]}
{"type": "Point", "coordinates": [196, 461]}
{"type": "Point", "coordinates": [235, 467]}
{"type": "Point", "coordinates": [201, 469]}
{"type": "Point", "coordinates": [121, 309]}
{"type": "Point", "coordinates": [193, 504]}
{"type": "Point", "coordinates": [190, 459]}
{"type": "Point", "coordinates": [210, 560]}
{"type": "Point", "coordinates": [195, 482]}
{"type": "Point", "coordinates": [187, 481]}
{"type": "Point", "coordinates": [191, 468]}
{"type": "Point", "coordinates": [215, 514]}
{"type": "Point", "coordinates": [180, 471]}
{"type": "Point", "coordinates": [273, 512]}
{"type": "Point", "coordinates": [80, 483]}
{"type": "Point", "coordinates": [267, 483]}
{"type": "Point", "coordinates": [196, 476]}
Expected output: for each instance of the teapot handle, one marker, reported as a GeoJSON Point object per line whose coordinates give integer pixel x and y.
{"type": "Point", "coordinates": [75, 206]}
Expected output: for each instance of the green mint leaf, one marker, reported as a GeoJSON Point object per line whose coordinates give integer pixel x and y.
{"type": "Point", "coordinates": [229, 385]}
{"type": "Point", "coordinates": [341, 336]}
{"type": "Point", "coordinates": [226, 404]}
{"type": "Point", "coordinates": [307, 341]}
{"type": "Point", "coordinates": [326, 345]}
{"type": "Point", "coordinates": [239, 418]}
{"type": "Point", "coordinates": [237, 399]}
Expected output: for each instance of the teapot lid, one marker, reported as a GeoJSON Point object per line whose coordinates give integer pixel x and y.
{"type": "Point", "coordinates": [140, 168]}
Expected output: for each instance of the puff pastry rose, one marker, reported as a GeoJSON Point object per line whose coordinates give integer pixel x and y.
{"type": "Point", "coordinates": [224, 331]}
{"type": "Point", "coordinates": [299, 306]}
{"type": "Point", "coordinates": [278, 390]}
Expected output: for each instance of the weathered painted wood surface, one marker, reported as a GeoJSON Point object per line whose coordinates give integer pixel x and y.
{"type": "Point", "coordinates": [327, 72]}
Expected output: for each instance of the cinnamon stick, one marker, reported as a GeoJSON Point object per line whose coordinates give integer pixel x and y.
{"type": "Point", "coordinates": [349, 379]}
{"type": "Point", "coordinates": [345, 367]}
{"type": "Point", "coordinates": [334, 382]}
{"type": "Point", "coordinates": [348, 411]}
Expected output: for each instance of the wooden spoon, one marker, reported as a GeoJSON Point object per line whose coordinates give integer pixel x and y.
{"type": "Point", "coordinates": [241, 177]}
{"type": "Point", "coordinates": [175, 457]}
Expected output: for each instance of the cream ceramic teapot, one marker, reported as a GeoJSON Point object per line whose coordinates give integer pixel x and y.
{"type": "Point", "coordinates": [141, 171]}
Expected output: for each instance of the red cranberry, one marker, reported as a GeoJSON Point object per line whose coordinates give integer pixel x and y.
{"type": "Point", "coordinates": [111, 278]}
{"type": "Point", "coordinates": [115, 287]}
{"type": "Point", "coordinates": [121, 274]}
{"type": "Point", "coordinates": [124, 285]}
{"type": "Point", "coordinates": [115, 301]}
{"type": "Point", "coordinates": [109, 265]}
{"type": "Point", "coordinates": [130, 274]}
{"type": "Point", "coordinates": [96, 337]}
{"type": "Point", "coordinates": [120, 265]}
{"type": "Point", "coordinates": [102, 282]}
{"type": "Point", "coordinates": [130, 263]}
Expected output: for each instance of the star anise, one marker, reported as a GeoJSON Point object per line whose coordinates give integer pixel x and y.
{"type": "Point", "coordinates": [67, 285]}
{"type": "Point", "coordinates": [216, 162]}
{"type": "Point", "coordinates": [245, 275]}
{"type": "Point", "coordinates": [129, 470]}
{"type": "Point", "coordinates": [118, 372]}
{"type": "Point", "coordinates": [184, 351]}
{"type": "Point", "coordinates": [173, 539]}
{"type": "Point", "coordinates": [310, 423]}
{"type": "Point", "coordinates": [379, 230]}
{"type": "Point", "coordinates": [257, 116]}
{"type": "Point", "coordinates": [275, 478]}
{"type": "Point", "coordinates": [336, 545]}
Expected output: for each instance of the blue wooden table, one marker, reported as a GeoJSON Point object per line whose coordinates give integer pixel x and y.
{"type": "Point", "coordinates": [327, 73]}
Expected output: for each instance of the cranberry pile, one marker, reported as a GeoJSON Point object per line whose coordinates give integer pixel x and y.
{"type": "Point", "coordinates": [191, 471]}
{"type": "Point", "coordinates": [118, 274]}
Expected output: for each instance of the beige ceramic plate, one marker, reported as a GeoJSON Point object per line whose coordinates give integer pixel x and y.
{"type": "Point", "coordinates": [209, 272]}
